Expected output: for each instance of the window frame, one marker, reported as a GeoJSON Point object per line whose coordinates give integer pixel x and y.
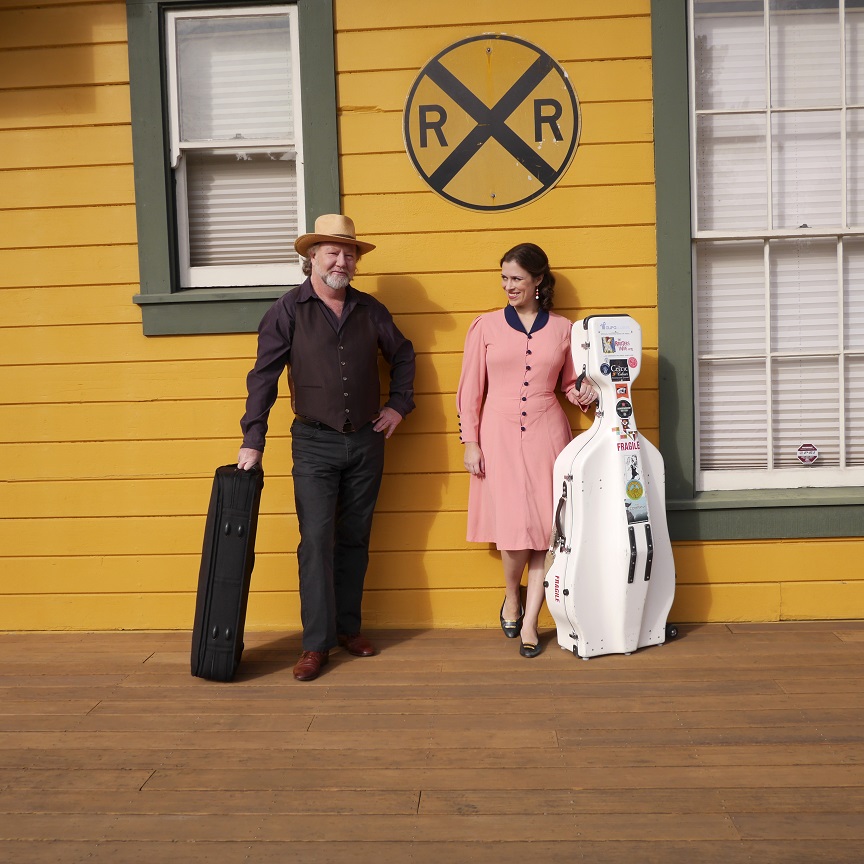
{"type": "Point", "coordinates": [165, 308]}
{"type": "Point", "coordinates": [719, 515]}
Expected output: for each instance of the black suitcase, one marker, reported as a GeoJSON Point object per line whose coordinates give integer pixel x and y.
{"type": "Point", "coordinates": [226, 569]}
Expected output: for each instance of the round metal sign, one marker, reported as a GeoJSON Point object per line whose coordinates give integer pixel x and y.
{"type": "Point", "coordinates": [491, 123]}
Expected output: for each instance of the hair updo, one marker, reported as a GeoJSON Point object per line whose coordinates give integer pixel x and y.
{"type": "Point", "coordinates": [533, 260]}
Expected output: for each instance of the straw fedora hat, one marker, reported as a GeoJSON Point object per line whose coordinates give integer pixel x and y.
{"type": "Point", "coordinates": [332, 228]}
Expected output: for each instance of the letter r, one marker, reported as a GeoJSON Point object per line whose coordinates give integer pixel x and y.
{"type": "Point", "coordinates": [436, 125]}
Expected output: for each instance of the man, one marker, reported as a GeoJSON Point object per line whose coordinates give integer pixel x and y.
{"type": "Point", "coordinates": [329, 334]}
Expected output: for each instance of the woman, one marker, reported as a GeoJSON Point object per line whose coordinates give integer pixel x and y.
{"type": "Point", "coordinates": [513, 428]}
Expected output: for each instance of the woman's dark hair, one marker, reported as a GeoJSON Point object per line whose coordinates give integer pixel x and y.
{"type": "Point", "coordinates": [533, 260]}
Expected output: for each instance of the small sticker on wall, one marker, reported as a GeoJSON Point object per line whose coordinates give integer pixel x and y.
{"type": "Point", "coordinates": [807, 454]}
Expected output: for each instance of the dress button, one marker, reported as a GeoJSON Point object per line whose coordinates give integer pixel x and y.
{"type": "Point", "coordinates": [527, 368]}
{"type": "Point", "coordinates": [529, 335]}
{"type": "Point", "coordinates": [522, 428]}
{"type": "Point", "coordinates": [526, 383]}
{"type": "Point", "coordinates": [524, 398]}
{"type": "Point", "coordinates": [528, 351]}
{"type": "Point", "coordinates": [524, 413]}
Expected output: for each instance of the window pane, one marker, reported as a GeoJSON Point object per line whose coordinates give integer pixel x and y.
{"type": "Point", "coordinates": [855, 166]}
{"type": "Point", "coordinates": [805, 47]}
{"type": "Point", "coordinates": [853, 280]}
{"type": "Point", "coordinates": [234, 78]}
{"type": "Point", "coordinates": [855, 52]}
{"type": "Point", "coordinates": [804, 295]}
{"type": "Point", "coordinates": [855, 411]}
{"type": "Point", "coordinates": [801, 419]}
{"type": "Point", "coordinates": [730, 286]}
{"type": "Point", "coordinates": [241, 210]}
{"type": "Point", "coordinates": [733, 415]}
{"type": "Point", "coordinates": [731, 172]}
{"type": "Point", "coordinates": [806, 169]}
{"type": "Point", "coordinates": [730, 58]}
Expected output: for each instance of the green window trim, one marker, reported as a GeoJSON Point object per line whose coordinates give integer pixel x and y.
{"type": "Point", "coordinates": [692, 515]}
{"type": "Point", "coordinates": [165, 309]}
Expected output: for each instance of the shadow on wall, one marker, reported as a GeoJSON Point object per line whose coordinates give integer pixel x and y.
{"type": "Point", "coordinates": [412, 491]}
{"type": "Point", "coordinates": [54, 49]}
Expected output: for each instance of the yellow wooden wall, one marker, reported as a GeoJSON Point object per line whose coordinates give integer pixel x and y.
{"type": "Point", "coordinates": [109, 439]}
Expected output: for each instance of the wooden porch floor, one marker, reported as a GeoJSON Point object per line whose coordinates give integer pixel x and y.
{"type": "Point", "coordinates": [732, 743]}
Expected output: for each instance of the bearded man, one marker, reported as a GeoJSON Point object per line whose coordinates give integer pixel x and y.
{"type": "Point", "coordinates": [329, 334]}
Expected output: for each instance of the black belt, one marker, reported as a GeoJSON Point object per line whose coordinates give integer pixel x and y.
{"type": "Point", "coordinates": [317, 424]}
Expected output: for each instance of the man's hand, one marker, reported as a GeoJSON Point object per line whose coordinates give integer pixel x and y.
{"type": "Point", "coordinates": [248, 458]}
{"type": "Point", "coordinates": [474, 461]}
{"type": "Point", "coordinates": [387, 420]}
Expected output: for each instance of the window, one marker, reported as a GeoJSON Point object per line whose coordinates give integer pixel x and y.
{"type": "Point", "coordinates": [723, 282]}
{"type": "Point", "coordinates": [777, 98]}
{"type": "Point", "coordinates": [234, 135]}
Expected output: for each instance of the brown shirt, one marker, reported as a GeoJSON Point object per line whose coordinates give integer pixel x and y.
{"type": "Point", "coordinates": [333, 361]}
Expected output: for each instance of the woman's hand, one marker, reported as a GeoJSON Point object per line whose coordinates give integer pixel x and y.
{"type": "Point", "coordinates": [584, 397]}
{"type": "Point", "coordinates": [474, 461]}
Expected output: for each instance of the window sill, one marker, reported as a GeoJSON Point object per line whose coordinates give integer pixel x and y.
{"type": "Point", "coordinates": [206, 310]}
{"type": "Point", "coordinates": [760, 514]}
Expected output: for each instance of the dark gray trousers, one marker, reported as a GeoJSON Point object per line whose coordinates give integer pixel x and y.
{"type": "Point", "coordinates": [336, 481]}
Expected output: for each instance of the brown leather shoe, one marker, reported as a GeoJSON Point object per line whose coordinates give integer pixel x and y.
{"type": "Point", "coordinates": [309, 665]}
{"type": "Point", "coordinates": [357, 644]}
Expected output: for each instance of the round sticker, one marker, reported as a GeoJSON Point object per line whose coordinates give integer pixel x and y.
{"type": "Point", "coordinates": [604, 369]}
{"type": "Point", "coordinates": [631, 361]}
{"type": "Point", "coordinates": [624, 408]}
{"type": "Point", "coordinates": [634, 490]}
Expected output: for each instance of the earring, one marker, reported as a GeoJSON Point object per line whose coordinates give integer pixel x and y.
{"type": "Point", "coordinates": [536, 293]}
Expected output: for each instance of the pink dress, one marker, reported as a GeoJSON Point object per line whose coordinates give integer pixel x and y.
{"type": "Point", "coordinates": [507, 404]}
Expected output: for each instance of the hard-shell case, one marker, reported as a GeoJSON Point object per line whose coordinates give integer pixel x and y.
{"type": "Point", "coordinates": [226, 570]}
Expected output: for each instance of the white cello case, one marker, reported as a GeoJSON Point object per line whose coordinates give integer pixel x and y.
{"type": "Point", "coordinates": [610, 577]}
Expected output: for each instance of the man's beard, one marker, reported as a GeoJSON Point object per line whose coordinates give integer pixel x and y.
{"type": "Point", "coordinates": [336, 281]}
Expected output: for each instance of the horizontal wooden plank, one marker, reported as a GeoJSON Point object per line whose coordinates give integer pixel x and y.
{"type": "Point", "coordinates": [95, 460]}
{"type": "Point", "coordinates": [77, 186]}
{"type": "Point", "coordinates": [615, 144]}
{"type": "Point", "coordinates": [353, 16]}
{"type": "Point", "coordinates": [172, 420]}
{"type": "Point", "coordinates": [588, 206]}
{"type": "Point", "coordinates": [90, 23]}
{"type": "Point", "coordinates": [81, 343]}
{"type": "Point", "coordinates": [74, 65]}
{"type": "Point", "coordinates": [67, 226]}
{"type": "Point", "coordinates": [593, 81]}
{"type": "Point", "coordinates": [65, 106]}
{"type": "Point", "coordinates": [182, 534]}
{"type": "Point", "coordinates": [572, 39]}
{"type": "Point", "coordinates": [109, 265]}
{"type": "Point", "coordinates": [66, 147]}
{"type": "Point", "coordinates": [477, 566]}
{"type": "Point", "coordinates": [203, 379]}
{"type": "Point", "coordinates": [738, 602]}
{"type": "Point", "coordinates": [35, 306]}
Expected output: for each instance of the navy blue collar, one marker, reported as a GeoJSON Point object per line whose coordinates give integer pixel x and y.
{"type": "Point", "coordinates": [511, 316]}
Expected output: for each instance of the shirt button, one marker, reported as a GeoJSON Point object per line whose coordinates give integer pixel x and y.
{"type": "Point", "coordinates": [344, 394]}
{"type": "Point", "coordinates": [342, 347]}
{"type": "Point", "coordinates": [342, 362]}
{"type": "Point", "coordinates": [347, 411]}
{"type": "Point", "coordinates": [344, 378]}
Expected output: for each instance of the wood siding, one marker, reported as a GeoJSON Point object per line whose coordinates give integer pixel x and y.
{"type": "Point", "coordinates": [109, 439]}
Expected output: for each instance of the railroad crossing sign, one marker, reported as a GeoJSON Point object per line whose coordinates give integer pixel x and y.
{"type": "Point", "coordinates": [491, 123]}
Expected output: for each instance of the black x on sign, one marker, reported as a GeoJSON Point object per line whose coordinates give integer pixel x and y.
{"type": "Point", "coordinates": [491, 122]}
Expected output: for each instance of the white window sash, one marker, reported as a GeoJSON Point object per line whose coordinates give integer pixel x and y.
{"type": "Point", "coordinates": [245, 274]}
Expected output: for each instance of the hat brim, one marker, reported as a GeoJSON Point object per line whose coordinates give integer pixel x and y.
{"type": "Point", "coordinates": [304, 241]}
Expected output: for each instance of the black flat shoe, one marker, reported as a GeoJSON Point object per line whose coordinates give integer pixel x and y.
{"type": "Point", "coordinates": [511, 628]}
{"type": "Point", "coordinates": [528, 649]}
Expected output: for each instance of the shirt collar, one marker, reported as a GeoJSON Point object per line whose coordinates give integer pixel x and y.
{"type": "Point", "coordinates": [513, 319]}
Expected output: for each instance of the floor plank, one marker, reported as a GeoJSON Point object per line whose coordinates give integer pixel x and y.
{"type": "Point", "coordinates": [732, 743]}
